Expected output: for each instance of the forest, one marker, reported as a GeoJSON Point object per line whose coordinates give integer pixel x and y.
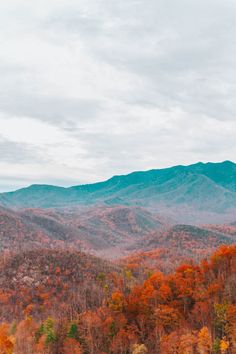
{"type": "Point", "coordinates": [66, 302]}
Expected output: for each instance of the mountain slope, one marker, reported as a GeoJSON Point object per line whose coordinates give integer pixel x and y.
{"type": "Point", "coordinates": [187, 240]}
{"type": "Point", "coordinates": [16, 234]}
{"type": "Point", "coordinates": [94, 229]}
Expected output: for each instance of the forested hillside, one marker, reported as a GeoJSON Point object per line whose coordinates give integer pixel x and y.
{"type": "Point", "coordinates": [60, 302]}
{"type": "Point", "coordinates": [107, 231]}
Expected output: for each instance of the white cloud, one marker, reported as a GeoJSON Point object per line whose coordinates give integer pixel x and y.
{"type": "Point", "coordinates": [96, 88]}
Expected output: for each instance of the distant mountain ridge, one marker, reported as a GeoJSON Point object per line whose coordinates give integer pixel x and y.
{"type": "Point", "coordinates": [209, 187]}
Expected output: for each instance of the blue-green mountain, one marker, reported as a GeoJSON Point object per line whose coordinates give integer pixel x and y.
{"type": "Point", "coordinates": [202, 188]}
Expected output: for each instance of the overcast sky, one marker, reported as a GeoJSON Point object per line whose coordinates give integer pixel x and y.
{"type": "Point", "coordinates": [95, 88]}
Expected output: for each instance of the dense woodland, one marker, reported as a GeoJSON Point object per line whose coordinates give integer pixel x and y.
{"type": "Point", "coordinates": [68, 302]}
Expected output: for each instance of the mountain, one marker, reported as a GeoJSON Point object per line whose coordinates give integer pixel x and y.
{"type": "Point", "coordinates": [117, 223]}
{"type": "Point", "coordinates": [98, 230]}
{"type": "Point", "coordinates": [187, 240]}
{"type": "Point", "coordinates": [107, 231]}
{"type": "Point", "coordinates": [199, 189]}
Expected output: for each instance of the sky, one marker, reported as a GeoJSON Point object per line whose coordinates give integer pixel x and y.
{"type": "Point", "coordinates": [94, 88]}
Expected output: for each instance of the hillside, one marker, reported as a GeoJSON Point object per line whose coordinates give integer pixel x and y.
{"type": "Point", "coordinates": [109, 231]}
{"type": "Point", "coordinates": [41, 281]}
{"type": "Point", "coordinates": [204, 188]}
{"type": "Point", "coordinates": [187, 241]}
{"type": "Point", "coordinates": [16, 234]}
{"type": "Point", "coordinates": [69, 303]}
{"type": "Point", "coordinates": [114, 228]}
{"type": "Point", "coordinates": [103, 230]}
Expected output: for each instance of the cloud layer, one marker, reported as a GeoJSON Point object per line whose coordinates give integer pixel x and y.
{"type": "Point", "coordinates": [90, 89]}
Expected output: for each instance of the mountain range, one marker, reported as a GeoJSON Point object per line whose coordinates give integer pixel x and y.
{"type": "Point", "coordinates": [107, 231]}
{"type": "Point", "coordinates": [189, 210]}
{"type": "Point", "coordinates": [98, 230]}
{"type": "Point", "coordinates": [203, 192]}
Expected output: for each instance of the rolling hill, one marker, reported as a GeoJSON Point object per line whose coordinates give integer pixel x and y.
{"type": "Point", "coordinates": [187, 240]}
{"type": "Point", "coordinates": [16, 234]}
{"type": "Point", "coordinates": [91, 229]}
{"type": "Point", "coordinates": [107, 231]}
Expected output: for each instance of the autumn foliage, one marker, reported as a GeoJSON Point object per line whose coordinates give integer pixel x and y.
{"type": "Point", "coordinates": [76, 304]}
